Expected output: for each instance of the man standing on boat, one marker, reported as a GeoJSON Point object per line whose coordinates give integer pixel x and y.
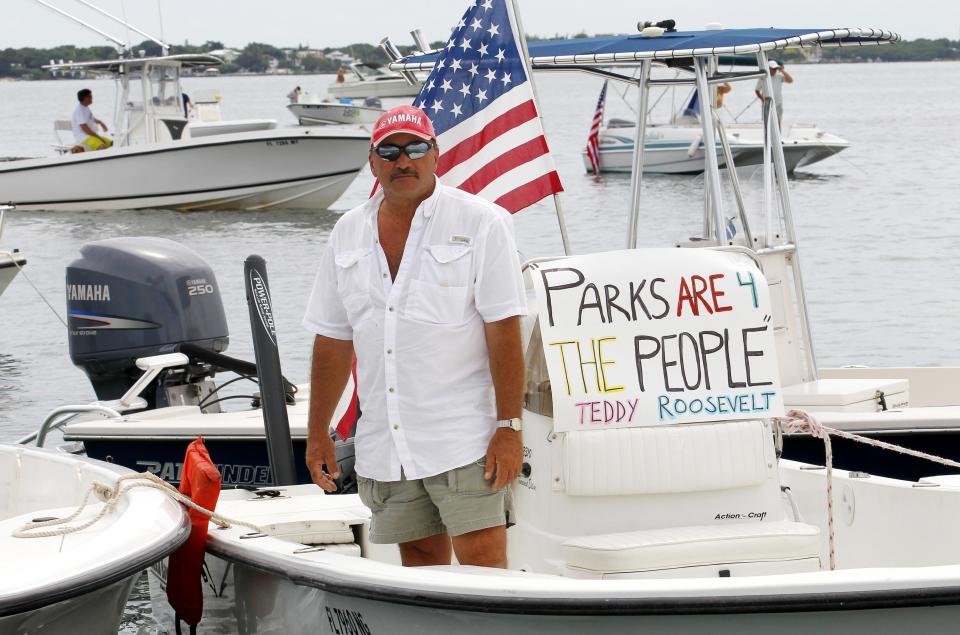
{"type": "Point", "coordinates": [778, 75]}
{"type": "Point", "coordinates": [85, 124]}
{"type": "Point", "coordinates": [422, 283]}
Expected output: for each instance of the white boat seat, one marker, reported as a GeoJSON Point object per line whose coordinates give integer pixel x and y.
{"type": "Point", "coordinates": [312, 532]}
{"type": "Point", "coordinates": [787, 546]}
{"type": "Point", "coordinates": [306, 516]}
{"type": "Point", "coordinates": [668, 459]}
{"type": "Point", "coordinates": [62, 125]}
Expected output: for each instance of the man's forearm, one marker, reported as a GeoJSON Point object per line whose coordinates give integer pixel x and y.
{"type": "Point", "coordinates": [329, 372]}
{"type": "Point", "coordinates": [90, 132]}
{"type": "Point", "coordinates": [506, 365]}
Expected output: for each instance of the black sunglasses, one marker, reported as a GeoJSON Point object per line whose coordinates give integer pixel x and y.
{"type": "Point", "coordinates": [414, 150]}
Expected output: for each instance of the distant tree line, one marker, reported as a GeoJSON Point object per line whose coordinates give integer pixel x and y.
{"type": "Point", "coordinates": [921, 50]}
{"type": "Point", "coordinates": [257, 57]}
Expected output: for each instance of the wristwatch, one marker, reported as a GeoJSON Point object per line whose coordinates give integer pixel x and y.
{"type": "Point", "coordinates": [514, 424]}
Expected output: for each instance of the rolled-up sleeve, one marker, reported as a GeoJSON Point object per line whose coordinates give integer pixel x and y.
{"type": "Point", "coordinates": [325, 312]}
{"type": "Point", "coordinates": [499, 291]}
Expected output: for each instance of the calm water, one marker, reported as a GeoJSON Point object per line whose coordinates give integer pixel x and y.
{"type": "Point", "coordinates": [878, 225]}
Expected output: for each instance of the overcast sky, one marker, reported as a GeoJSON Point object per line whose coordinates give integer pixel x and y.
{"type": "Point", "coordinates": [323, 23]}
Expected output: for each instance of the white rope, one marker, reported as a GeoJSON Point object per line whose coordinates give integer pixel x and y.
{"type": "Point", "coordinates": [110, 496]}
{"type": "Point", "coordinates": [800, 421]}
{"type": "Point", "coordinates": [35, 288]}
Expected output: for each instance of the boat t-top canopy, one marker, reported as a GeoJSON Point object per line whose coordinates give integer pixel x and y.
{"type": "Point", "coordinates": [631, 49]}
{"type": "Point", "coordinates": [108, 67]}
{"type": "Point", "coordinates": [701, 53]}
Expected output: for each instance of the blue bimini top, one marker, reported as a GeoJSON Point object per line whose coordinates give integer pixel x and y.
{"type": "Point", "coordinates": [620, 49]}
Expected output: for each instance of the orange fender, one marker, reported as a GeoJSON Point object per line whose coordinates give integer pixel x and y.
{"type": "Point", "coordinates": [199, 480]}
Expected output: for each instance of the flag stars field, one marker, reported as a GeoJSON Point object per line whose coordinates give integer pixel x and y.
{"type": "Point", "coordinates": [491, 136]}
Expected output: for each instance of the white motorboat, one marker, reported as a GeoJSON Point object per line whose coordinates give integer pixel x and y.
{"type": "Point", "coordinates": [10, 261]}
{"type": "Point", "coordinates": [372, 80]}
{"type": "Point", "coordinates": [636, 524]}
{"type": "Point", "coordinates": [69, 581]}
{"type": "Point", "coordinates": [679, 149]}
{"type": "Point", "coordinates": [314, 113]}
{"type": "Point", "coordinates": [158, 162]}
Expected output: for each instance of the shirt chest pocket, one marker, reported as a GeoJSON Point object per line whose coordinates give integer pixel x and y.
{"type": "Point", "coordinates": [447, 265]}
{"type": "Point", "coordinates": [353, 282]}
{"type": "Point", "coordinates": [439, 294]}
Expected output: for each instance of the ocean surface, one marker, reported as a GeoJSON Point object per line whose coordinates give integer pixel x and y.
{"type": "Point", "coordinates": [878, 225]}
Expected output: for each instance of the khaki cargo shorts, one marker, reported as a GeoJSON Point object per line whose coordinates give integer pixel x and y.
{"type": "Point", "coordinates": [454, 502]}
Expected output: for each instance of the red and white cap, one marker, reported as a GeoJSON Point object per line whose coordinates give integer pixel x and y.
{"type": "Point", "coordinates": [406, 119]}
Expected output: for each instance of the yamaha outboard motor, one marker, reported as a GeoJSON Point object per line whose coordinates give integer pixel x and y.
{"type": "Point", "coordinates": [136, 297]}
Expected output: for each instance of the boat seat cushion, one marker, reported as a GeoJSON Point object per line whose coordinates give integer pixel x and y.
{"type": "Point", "coordinates": [674, 547]}
{"type": "Point", "coordinates": [668, 459]}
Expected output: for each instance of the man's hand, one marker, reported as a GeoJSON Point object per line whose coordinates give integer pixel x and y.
{"type": "Point", "coordinates": [329, 373]}
{"type": "Point", "coordinates": [504, 457]}
{"type": "Point", "coordinates": [322, 452]}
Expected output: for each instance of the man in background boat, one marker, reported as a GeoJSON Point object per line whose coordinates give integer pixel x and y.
{"type": "Point", "coordinates": [85, 124]}
{"type": "Point", "coordinates": [294, 95]}
{"type": "Point", "coordinates": [422, 282]}
{"type": "Point", "coordinates": [341, 76]}
{"type": "Point", "coordinates": [778, 75]}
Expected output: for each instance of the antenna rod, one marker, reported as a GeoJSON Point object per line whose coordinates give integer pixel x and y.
{"type": "Point", "coordinates": [163, 45]}
{"type": "Point", "coordinates": [119, 43]}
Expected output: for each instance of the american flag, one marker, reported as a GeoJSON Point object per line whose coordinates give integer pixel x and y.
{"type": "Point", "coordinates": [480, 100]}
{"type": "Point", "coordinates": [593, 139]}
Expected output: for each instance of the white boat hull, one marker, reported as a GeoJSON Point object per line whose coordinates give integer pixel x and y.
{"type": "Point", "coordinates": [197, 129]}
{"type": "Point", "coordinates": [383, 88]}
{"type": "Point", "coordinates": [267, 584]}
{"type": "Point", "coordinates": [10, 264]}
{"type": "Point", "coordinates": [56, 584]}
{"type": "Point", "coordinates": [308, 114]}
{"type": "Point", "coordinates": [251, 600]}
{"type": "Point", "coordinates": [679, 150]}
{"type": "Point", "coordinates": [289, 169]}
{"type": "Point", "coordinates": [99, 611]}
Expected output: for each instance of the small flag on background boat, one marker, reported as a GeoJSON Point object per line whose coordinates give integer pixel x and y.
{"type": "Point", "coordinates": [692, 109]}
{"type": "Point", "coordinates": [731, 229]}
{"type": "Point", "coordinates": [480, 100]}
{"type": "Point", "coordinates": [593, 140]}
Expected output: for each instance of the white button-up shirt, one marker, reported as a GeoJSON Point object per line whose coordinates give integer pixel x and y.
{"type": "Point", "coordinates": [423, 371]}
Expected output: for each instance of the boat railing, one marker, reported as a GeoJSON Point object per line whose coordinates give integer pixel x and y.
{"type": "Point", "coordinates": [131, 400]}
{"type": "Point", "coordinates": [59, 417]}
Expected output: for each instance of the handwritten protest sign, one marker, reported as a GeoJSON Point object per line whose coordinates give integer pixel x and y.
{"type": "Point", "coordinates": [657, 336]}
